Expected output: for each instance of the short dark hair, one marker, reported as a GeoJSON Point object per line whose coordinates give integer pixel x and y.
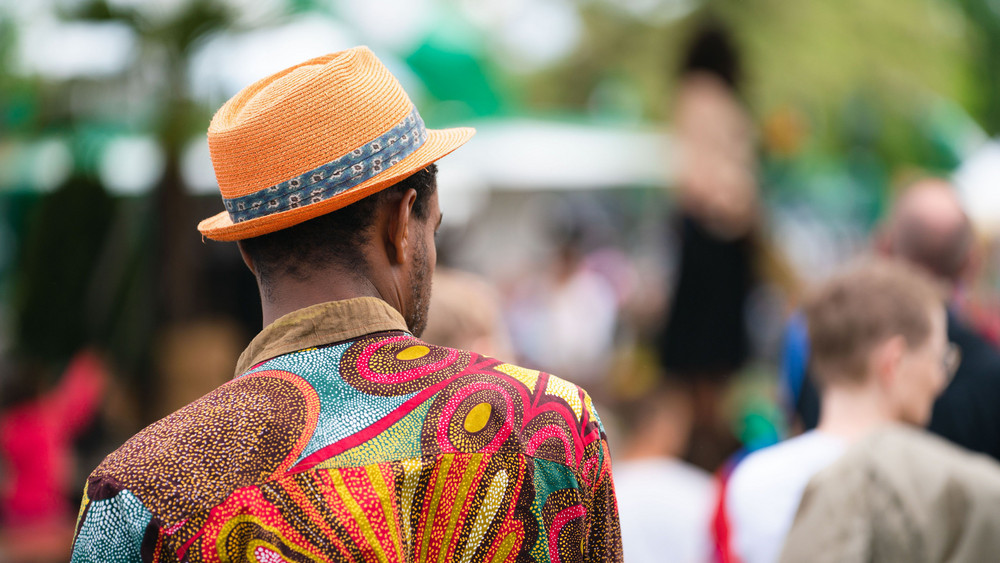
{"type": "Point", "coordinates": [663, 396]}
{"type": "Point", "coordinates": [334, 238]}
{"type": "Point", "coordinates": [713, 50]}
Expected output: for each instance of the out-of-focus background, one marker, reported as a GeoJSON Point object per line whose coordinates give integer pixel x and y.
{"type": "Point", "coordinates": [570, 208]}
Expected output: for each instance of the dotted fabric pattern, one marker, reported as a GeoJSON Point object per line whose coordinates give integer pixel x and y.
{"type": "Point", "coordinates": [113, 531]}
{"type": "Point", "coordinates": [394, 443]}
{"type": "Point", "coordinates": [383, 448]}
{"type": "Point", "coordinates": [344, 409]}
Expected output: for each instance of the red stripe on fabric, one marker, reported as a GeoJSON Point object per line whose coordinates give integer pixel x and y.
{"type": "Point", "coordinates": [187, 545]}
{"type": "Point", "coordinates": [566, 515]}
{"type": "Point", "coordinates": [368, 433]}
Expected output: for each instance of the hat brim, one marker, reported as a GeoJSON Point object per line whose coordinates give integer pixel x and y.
{"type": "Point", "coordinates": [439, 143]}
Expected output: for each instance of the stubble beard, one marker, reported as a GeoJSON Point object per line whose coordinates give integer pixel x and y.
{"type": "Point", "coordinates": [420, 293]}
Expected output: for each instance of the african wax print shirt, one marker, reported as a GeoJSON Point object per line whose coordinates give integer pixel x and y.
{"type": "Point", "coordinates": [377, 447]}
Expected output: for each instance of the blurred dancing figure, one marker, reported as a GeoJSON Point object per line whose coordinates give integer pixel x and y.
{"type": "Point", "coordinates": [704, 341]}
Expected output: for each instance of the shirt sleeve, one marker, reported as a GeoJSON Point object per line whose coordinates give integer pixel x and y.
{"type": "Point", "coordinates": [112, 521]}
{"type": "Point", "coordinates": [604, 537]}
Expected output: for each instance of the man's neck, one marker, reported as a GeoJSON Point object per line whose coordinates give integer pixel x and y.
{"type": "Point", "coordinates": [852, 412]}
{"type": "Point", "coordinates": [289, 295]}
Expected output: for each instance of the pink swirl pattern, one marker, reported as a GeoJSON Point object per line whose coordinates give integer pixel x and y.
{"type": "Point", "coordinates": [403, 376]}
{"type": "Point", "coordinates": [565, 516]}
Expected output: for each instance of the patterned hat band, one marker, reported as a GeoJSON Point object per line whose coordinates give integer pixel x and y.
{"type": "Point", "coordinates": [338, 176]}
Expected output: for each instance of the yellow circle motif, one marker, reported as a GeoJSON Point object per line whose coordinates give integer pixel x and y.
{"type": "Point", "coordinates": [413, 353]}
{"type": "Point", "coordinates": [478, 417]}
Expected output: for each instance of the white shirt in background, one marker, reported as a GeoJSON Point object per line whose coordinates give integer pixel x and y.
{"type": "Point", "coordinates": [664, 506]}
{"type": "Point", "coordinates": [764, 491]}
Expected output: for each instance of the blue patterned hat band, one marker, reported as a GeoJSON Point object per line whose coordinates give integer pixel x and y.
{"type": "Point", "coordinates": [335, 177]}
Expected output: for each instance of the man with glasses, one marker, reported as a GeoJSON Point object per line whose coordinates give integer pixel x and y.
{"type": "Point", "coordinates": [881, 356]}
{"type": "Point", "coordinates": [927, 228]}
{"type": "Point", "coordinates": [898, 493]}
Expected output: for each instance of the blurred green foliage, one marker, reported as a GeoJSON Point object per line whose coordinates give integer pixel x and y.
{"type": "Point", "coordinates": [860, 73]}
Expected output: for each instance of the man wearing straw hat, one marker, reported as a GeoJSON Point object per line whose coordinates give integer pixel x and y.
{"type": "Point", "coordinates": [343, 437]}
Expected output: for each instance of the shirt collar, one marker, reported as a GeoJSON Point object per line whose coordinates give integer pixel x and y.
{"type": "Point", "coordinates": [316, 325]}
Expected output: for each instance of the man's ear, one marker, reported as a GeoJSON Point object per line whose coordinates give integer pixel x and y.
{"type": "Point", "coordinates": [886, 358]}
{"type": "Point", "coordinates": [246, 258]}
{"type": "Point", "coordinates": [883, 241]}
{"type": "Point", "coordinates": [399, 228]}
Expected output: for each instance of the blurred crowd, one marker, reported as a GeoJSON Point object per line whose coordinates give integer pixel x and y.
{"type": "Point", "coordinates": [758, 409]}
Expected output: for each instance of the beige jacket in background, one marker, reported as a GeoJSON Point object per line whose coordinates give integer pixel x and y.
{"type": "Point", "coordinates": [900, 494]}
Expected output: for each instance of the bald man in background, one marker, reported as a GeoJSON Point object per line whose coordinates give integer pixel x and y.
{"type": "Point", "coordinates": [928, 228]}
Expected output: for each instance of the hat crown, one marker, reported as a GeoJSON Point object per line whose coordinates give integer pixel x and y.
{"type": "Point", "coordinates": [302, 118]}
{"type": "Point", "coordinates": [314, 138]}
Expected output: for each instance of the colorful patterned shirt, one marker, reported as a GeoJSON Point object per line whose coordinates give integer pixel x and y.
{"type": "Point", "coordinates": [344, 438]}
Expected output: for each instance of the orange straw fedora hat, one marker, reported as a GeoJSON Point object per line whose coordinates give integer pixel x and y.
{"type": "Point", "coordinates": [314, 138]}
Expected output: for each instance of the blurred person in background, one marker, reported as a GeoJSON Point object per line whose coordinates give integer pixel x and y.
{"type": "Point", "coordinates": [343, 436]}
{"type": "Point", "coordinates": [465, 313]}
{"type": "Point", "coordinates": [37, 430]}
{"type": "Point", "coordinates": [928, 228]}
{"type": "Point", "coordinates": [564, 319]}
{"type": "Point", "coordinates": [899, 494]}
{"type": "Point", "coordinates": [664, 503]}
{"type": "Point", "coordinates": [704, 339]}
{"type": "Point", "coordinates": [881, 355]}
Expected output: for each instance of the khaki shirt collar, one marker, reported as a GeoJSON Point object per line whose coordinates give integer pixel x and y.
{"type": "Point", "coordinates": [316, 325]}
